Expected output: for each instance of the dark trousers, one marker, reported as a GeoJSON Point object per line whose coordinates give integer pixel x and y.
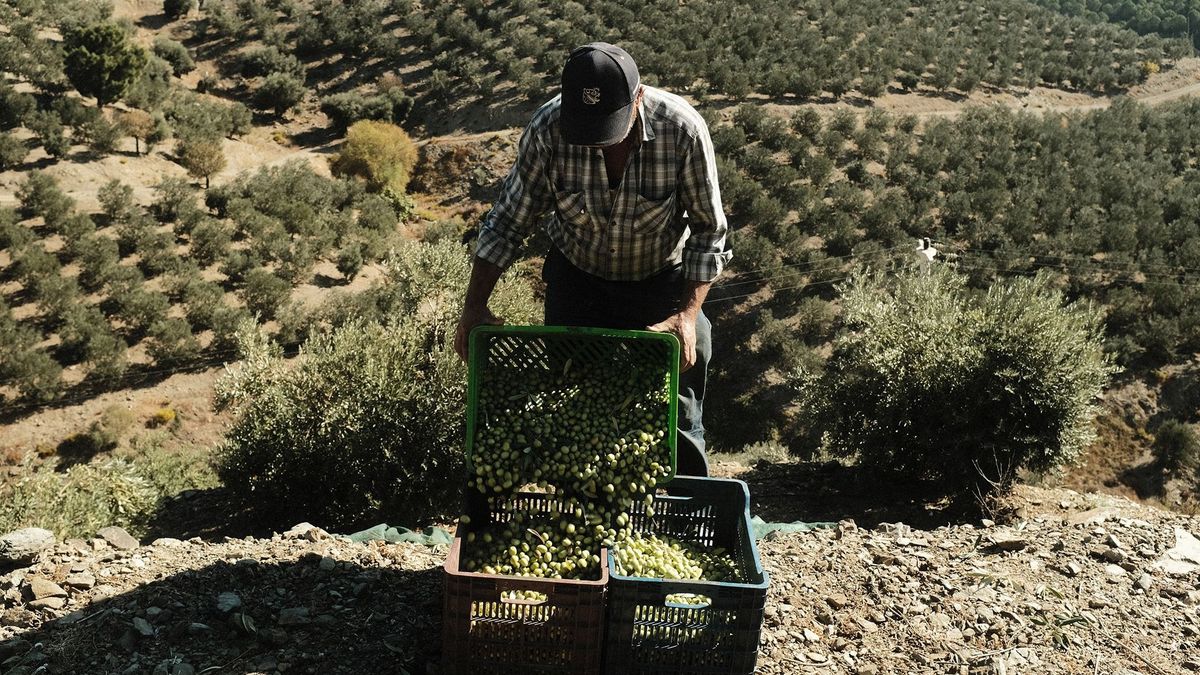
{"type": "Point", "coordinates": [576, 298]}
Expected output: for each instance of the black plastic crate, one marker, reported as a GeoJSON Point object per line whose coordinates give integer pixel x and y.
{"type": "Point", "coordinates": [647, 633]}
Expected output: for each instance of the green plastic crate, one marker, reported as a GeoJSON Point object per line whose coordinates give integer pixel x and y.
{"type": "Point", "coordinates": [647, 633]}
{"type": "Point", "coordinates": [518, 351]}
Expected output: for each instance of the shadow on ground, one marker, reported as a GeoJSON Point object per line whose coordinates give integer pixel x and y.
{"type": "Point", "coordinates": [349, 619]}
{"type": "Point", "coordinates": [812, 492]}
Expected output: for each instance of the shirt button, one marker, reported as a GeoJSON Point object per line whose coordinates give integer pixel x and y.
{"type": "Point", "coordinates": [612, 250]}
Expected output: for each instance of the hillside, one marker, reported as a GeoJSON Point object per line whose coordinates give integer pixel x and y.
{"type": "Point", "coordinates": [1079, 583]}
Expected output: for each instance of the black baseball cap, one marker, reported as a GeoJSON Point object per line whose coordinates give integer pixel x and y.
{"type": "Point", "coordinates": [599, 84]}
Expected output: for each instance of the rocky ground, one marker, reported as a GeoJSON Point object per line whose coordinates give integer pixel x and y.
{"type": "Point", "coordinates": [1077, 584]}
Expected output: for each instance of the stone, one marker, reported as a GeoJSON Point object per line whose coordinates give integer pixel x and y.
{"type": "Point", "coordinates": [1144, 582]}
{"type": "Point", "coordinates": [21, 547]}
{"type": "Point", "coordinates": [837, 601]}
{"type": "Point", "coordinates": [1184, 558]}
{"type": "Point", "coordinates": [197, 629]}
{"type": "Point", "coordinates": [867, 669]}
{"type": "Point", "coordinates": [327, 564]}
{"type": "Point", "coordinates": [1114, 555]}
{"type": "Point", "coordinates": [1072, 569]}
{"type": "Point", "coordinates": [1115, 571]}
{"type": "Point", "coordinates": [40, 588]}
{"type": "Point", "coordinates": [293, 616]}
{"type": "Point", "coordinates": [117, 537]}
{"type": "Point", "coordinates": [811, 636]}
{"type": "Point", "coordinates": [1091, 517]}
{"type": "Point", "coordinates": [228, 601]}
{"type": "Point", "coordinates": [1008, 541]}
{"type": "Point", "coordinates": [49, 603]}
{"type": "Point", "coordinates": [81, 580]}
{"type": "Point", "coordinates": [166, 542]}
{"type": "Point", "coordinates": [306, 531]}
{"type": "Point", "coordinates": [143, 627]}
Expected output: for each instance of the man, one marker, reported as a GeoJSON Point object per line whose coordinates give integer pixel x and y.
{"type": "Point", "coordinates": [638, 231]}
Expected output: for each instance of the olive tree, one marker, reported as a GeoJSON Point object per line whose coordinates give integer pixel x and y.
{"type": "Point", "coordinates": [956, 390]}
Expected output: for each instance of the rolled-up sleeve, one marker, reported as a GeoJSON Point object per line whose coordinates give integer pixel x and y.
{"type": "Point", "coordinates": [707, 250]}
{"type": "Point", "coordinates": [525, 195]}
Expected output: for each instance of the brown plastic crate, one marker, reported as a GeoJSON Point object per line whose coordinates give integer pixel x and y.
{"type": "Point", "coordinates": [483, 633]}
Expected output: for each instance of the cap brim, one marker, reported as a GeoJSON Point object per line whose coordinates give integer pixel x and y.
{"type": "Point", "coordinates": [607, 129]}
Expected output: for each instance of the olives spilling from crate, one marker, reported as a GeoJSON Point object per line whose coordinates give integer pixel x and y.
{"type": "Point", "coordinates": [596, 438]}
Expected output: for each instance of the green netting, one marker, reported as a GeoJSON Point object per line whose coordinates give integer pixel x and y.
{"type": "Point", "coordinates": [430, 536]}
{"type": "Point", "coordinates": [761, 528]}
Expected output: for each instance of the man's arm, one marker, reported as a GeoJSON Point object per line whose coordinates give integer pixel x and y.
{"type": "Point", "coordinates": [484, 276]}
{"type": "Point", "coordinates": [524, 197]}
{"type": "Point", "coordinates": [683, 324]}
{"type": "Point", "coordinates": [706, 250]}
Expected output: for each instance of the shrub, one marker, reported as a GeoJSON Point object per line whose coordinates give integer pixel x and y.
{"type": "Point", "coordinates": [98, 255]}
{"type": "Point", "coordinates": [239, 120]}
{"type": "Point", "coordinates": [210, 242]}
{"type": "Point", "coordinates": [174, 197]}
{"type": "Point", "coordinates": [80, 500]}
{"type": "Point", "coordinates": [279, 92]}
{"type": "Point", "coordinates": [105, 357]}
{"type": "Point", "coordinates": [162, 417]}
{"type": "Point", "coordinates": [175, 54]}
{"type": "Point", "coordinates": [12, 151]}
{"type": "Point", "coordinates": [140, 308]}
{"type": "Point", "coordinates": [100, 135]}
{"type": "Point", "coordinates": [15, 107]}
{"type": "Point", "coordinates": [369, 422]}
{"type": "Point", "coordinates": [958, 391]}
{"type": "Point", "coordinates": [103, 435]}
{"type": "Point", "coordinates": [39, 195]}
{"type": "Point", "coordinates": [350, 260]}
{"type": "Point", "coordinates": [267, 61]}
{"type": "Point", "coordinates": [51, 135]}
{"type": "Point", "coordinates": [170, 342]}
{"type": "Point", "coordinates": [35, 374]}
{"type": "Point", "coordinates": [202, 159]}
{"type": "Point", "coordinates": [116, 201]}
{"type": "Point", "coordinates": [347, 108]}
{"type": "Point", "coordinates": [264, 292]}
{"type": "Point", "coordinates": [156, 253]}
{"type": "Point", "coordinates": [202, 301]}
{"type": "Point", "coordinates": [381, 154]}
{"type": "Point", "coordinates": [1177, 448]}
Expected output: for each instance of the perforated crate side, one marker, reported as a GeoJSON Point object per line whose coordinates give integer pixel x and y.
{"type": "Point", "coordinates": [483, 634]}
{"type": "Point", "coordinates": [647, 635]}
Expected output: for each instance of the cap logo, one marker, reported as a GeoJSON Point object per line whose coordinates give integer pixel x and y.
{"type": "Point", "coordinates": [591, 96]}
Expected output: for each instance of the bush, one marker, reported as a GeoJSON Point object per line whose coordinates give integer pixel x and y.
{"type": "Point", "coordinates": [1177, 448]}
{"type": "Point", "coordinates": [35, 374]}
{"type": "Point", "coordinates": [264, 292]}
{"type": "Point", "coordinates": [100, 135]}
{"type": "Point", "coordinates": [51, 135]}
{"type": "Point", "coordinates": [957, 391]}
{"type": "Point", "coordinates": [350, 107]}
{"type": "Point", "coordinates": [267, 61]}
{"type": "Point", "coordinates": [202, 159]}
{"type": "Point", "coordinates": [101, 62]}
{"type": "Point", "coordinates": [170, 342]}
{"type": "Point", "coordinates": [202, 301]}
{"type": "Point", "coordinates": [174, 198]}
{"type": "Point", "coordinates": [39, 195]}
{"type": "Point", "coordinates": [12, 152]}
{"type": "Point", "coordinates": [140, 308]}
{"type": "Point", "coordinates": [368, 424]}
{"type": "Point", "coordinates": [350, 260]}
{"type": "Point", "coordinates": [210, 242]}
{"type": "Point", "coordinates": [80, 500]}
{"type": "Point", "coordinates": [116, 201]}
{"type": "Point", "coordinates": [175, 54]}
{"type": "Point", "coordinates": [98, 255]}
{"type": "Point", "coordinates": [279, 92]}
{"type": "Point", "coordinates": [381, 154]}
{"type": "Point", "coordinates": [15, 107]}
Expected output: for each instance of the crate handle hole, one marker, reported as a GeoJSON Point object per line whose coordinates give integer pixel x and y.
{"type": "Point", "coordinates": [687, 601]}
{"type": "Point", "coordinates": [531, 598]}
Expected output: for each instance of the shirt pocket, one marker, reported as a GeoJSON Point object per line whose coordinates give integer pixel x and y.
{"type": "Point", "coordinates": [650, 215]}
{"type": "Point", "coordinates": [572, 208]}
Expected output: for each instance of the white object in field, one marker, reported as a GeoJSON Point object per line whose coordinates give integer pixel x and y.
{"type": "Point", "coordinates": [925, 252]}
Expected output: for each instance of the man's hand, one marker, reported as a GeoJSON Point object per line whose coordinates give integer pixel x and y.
{"type": "Point", "coordinates": [682, 326]}
{"type": "Point", "coordinates": [472, 317]}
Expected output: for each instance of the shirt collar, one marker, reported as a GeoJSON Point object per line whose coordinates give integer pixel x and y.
{"type": "Point", "coordinates": [647, 130]}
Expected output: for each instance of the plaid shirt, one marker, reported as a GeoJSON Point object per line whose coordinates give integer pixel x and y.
{"type": "Point", "coordinates": [666, 210]}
